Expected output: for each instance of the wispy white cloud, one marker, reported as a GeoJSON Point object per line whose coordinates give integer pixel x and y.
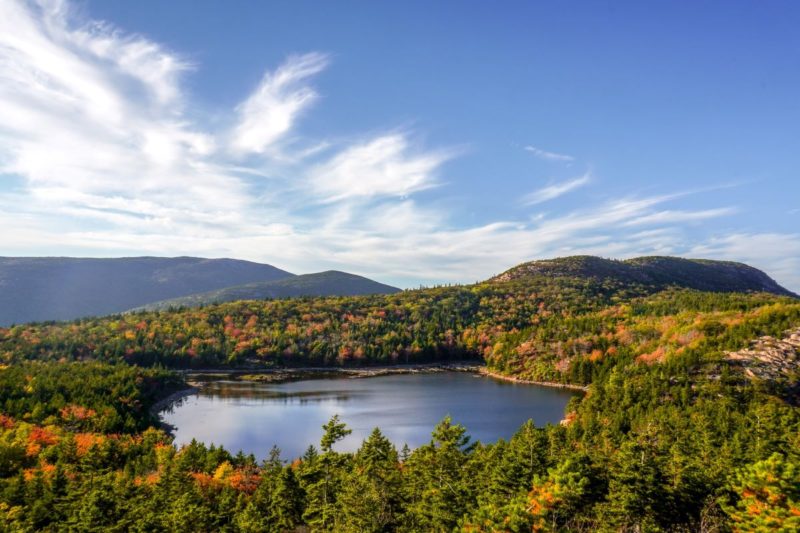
{"type": "Point", "coordinates": [555, 190]}
{"type": "Point", "coordinates": [549, 156]}
{"type": "Point", "coordinates": [673, 216]}
{"type": "Point", "coordinates": [94, 123]}
{"type": "Point", "coordinates": [384, 166]}
{"type": "Point", "coordinates": [271, 110]}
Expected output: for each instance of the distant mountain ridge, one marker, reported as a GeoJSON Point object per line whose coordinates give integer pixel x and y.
{"type": "Point", "coordinates": [658, 271]}
{"type": "Point", "coordinates": [328, 283]}
{"type": "Point", "coordinates": [62, 288]}
{"type": "Point", "coordinates": [65, 288]}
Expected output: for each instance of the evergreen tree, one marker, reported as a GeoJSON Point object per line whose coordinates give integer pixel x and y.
{"type": "Point", "coordinates": [636, 493]}
{"type": "Point", "coordinates": [766, 496]}
{"type": "Point", "coordinates": [370, 496]}
{"type": "Point", "coordinates": [324, 478]}
{"type": "Point", "coordinates": [436, 492]}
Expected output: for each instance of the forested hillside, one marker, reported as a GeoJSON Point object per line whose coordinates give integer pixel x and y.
{"type": "Point", "coordinates": [330, 283]}
{"type": "Point", "coordinates": [540, 326]}
{"type": "Point", "coordinates": [687, 424]}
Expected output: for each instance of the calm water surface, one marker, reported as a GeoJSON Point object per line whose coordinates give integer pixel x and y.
{"type": "Point", "coordinates": [255, 416]}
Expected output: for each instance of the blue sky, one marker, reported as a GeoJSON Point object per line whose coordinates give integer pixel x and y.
{"type": "Point", "coordinates": [412, 142]}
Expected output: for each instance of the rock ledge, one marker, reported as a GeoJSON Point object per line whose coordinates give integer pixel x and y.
{"type": "Point", "coordinates": [769, 358]}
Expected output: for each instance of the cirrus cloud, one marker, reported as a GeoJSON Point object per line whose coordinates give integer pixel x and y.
{"type": "Point", "coordinates": [555, 190]}
{"type": "Point", "coordinates": [549, 156]}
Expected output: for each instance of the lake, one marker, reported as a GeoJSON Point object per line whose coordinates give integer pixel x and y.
{"type": "Point", "coordinates": [255, 416]}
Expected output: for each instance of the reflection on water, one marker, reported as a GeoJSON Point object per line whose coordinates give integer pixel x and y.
{"type": "Point", "coordinates": [255, 416]}
{"type": "Point", "coordinates": [260, 391]}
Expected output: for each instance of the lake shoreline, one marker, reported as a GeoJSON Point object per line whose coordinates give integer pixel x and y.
{"type": "Point", "coordinates": [282, 375]}
{"type": "Point", "coordinates": [164, 403]}
{"type": "Point", "coordinates": [488, 373]}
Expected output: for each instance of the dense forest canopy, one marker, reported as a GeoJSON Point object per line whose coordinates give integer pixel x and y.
{"type": "Point", "coordinates": [675, 433]}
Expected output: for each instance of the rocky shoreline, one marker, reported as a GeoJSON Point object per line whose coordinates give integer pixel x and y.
{"type": "Point", "coordinates": [554, 384]}
{"type": "Point", "coordinates": [282, 375]}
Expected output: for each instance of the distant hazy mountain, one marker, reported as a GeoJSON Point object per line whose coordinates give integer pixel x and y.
{"type": "Point", "coordinates": [62, 288]}
{"type": "Point", "coordinates": [58, 288]}
{"type": "Point", "coordinates": [330, 283]}
{"type": "Point", "coordinates": [659, 271]}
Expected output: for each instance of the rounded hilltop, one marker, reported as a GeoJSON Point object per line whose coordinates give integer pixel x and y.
{"type": "Point", "coordinates": [659, 271]}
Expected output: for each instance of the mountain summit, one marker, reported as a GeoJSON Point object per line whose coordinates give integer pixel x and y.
{"type": "Point", "coordinates": [658, 271]}
{"type": "Point", "coordinates": [65, 288]}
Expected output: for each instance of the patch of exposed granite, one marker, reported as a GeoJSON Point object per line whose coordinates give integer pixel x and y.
{"type": "Point", "coordinates": [768, 358]}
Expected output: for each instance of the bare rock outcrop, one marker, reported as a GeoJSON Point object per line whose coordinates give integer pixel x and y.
{"type": "Point", "coordinates": [769, 358]}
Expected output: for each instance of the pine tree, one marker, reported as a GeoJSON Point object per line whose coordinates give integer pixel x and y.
{"type": "Point", "coordinates": [370, 496]}
{"type": "Point", "coordinates": [287, 502]}
{"type": "Point", "coordinates": [323, 475]}
{"type": "Point", "coordinates": [558, 495]}
{"type": "Point", "coordinates": [767, 496]}
{"type": "Point", "coordinates": [636, 492]}
{"type": "Point", "coordinates": [435, 492]}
